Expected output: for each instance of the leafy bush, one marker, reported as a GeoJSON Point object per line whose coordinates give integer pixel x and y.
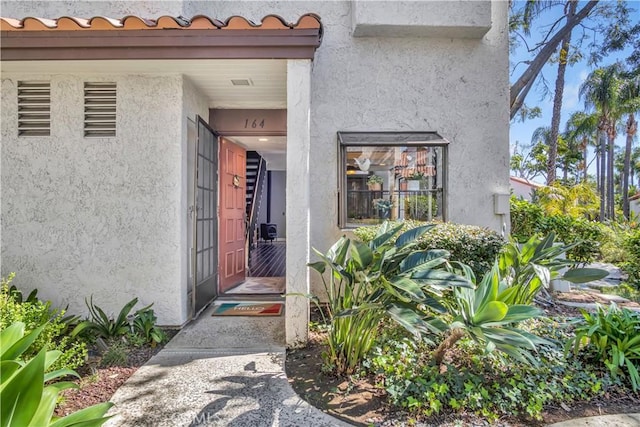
{"type": "Point", "coordinates": [417, 207]}
{"type": "Point", "coordinates": [144, 324]}
{"type": "Point", "coordinates": [386, 277]}
{"type": "Point", "coordinates": [474, 246]}
{"type": "Point", "coordinates": [527, 270]}
{"type": "Point", "coordinates": [613, 337]}
{"type": "Point", "coordinates": [105, 326]}
{"type": "Point", "coordinates": [141, 324]}
{"type": "Point", "coordinates": [488, 385]}
{"type": "Point", "coordinates": [632, 265]}
{"type": "Point", "coordinates": [24, 398]}
{"type": "Point", "coordinates": [34, 314]}
{"type": "Point", "coordinates": [528, 219]}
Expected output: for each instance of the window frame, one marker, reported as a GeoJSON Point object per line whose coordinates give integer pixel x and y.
{"type": "Point", "coordinates": [387, 139]}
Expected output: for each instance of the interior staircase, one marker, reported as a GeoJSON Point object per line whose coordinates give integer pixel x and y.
{"type": "Point", "coordinates": [256, 174]}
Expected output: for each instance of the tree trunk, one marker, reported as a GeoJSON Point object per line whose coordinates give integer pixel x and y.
{"type": "Point", "coordinates": [610, 172]}
{"type": "Point", "coordinates": [603, 174]}
{"type": "Point", "coordinates": [585, 152]}
{"type": "Point", "coordinates": [570, 9]}
{"type": "Point", "coordinates": [441, 351]}
{"type": "Point", "coordinates": [632, 128]}
{"type": "Point", "coordinates": [516, 92]}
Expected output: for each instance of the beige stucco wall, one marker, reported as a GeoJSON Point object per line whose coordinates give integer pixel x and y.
{"type": "Point", "coordinates": [97, 216]}
{"type": "Point", "coordinates": [457, 87]}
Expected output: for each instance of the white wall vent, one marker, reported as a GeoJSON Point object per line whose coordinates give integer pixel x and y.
{"type": "Point", "coordinates": [34, 108]}
{"type": "Point", "coordinates": [99, 109]}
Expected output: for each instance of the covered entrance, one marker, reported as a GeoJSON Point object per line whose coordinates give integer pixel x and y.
{"type": "Point", "coordinates": [196, 65]}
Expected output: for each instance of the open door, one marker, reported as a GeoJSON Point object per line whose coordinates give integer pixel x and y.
{"type": "Point", "coordinates": [232, 214]}
{"type": "Point", "coordinates": [206, 229]}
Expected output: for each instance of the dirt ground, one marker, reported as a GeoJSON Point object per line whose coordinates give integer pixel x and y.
{"type": "Point", "coordinates": [97, 384]}
{"type": "Point", "coordinates": [363, 404]}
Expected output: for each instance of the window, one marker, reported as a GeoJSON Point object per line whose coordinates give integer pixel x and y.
{"type": "Point", "coordinates": [391, 175]}
{"type": "Point", "coordinates": [99, 109]}
{"type": "Point", "coordinates": [34, 108]}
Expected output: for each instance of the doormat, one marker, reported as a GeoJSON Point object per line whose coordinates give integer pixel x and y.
{"type": "Point", "coordinates": [236, 308]}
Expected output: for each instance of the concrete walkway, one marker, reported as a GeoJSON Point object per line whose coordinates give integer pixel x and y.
{"type": "Point", "coordinates": [217, 371]}
{"type": "Point", "coordinates": [229, 371]}
{"type": "Point", "coordinates": [620, 420]}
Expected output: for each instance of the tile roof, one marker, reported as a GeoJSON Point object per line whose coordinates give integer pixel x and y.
{"type": "Point", "coordinates": [198, 22]}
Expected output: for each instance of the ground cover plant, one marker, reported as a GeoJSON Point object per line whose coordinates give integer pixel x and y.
{"type": "Point", "coordinates": [459, 345]}
{"type": "Point", "coordinates": [56, 325]}
{"type": "Point", "coordinates": [29, 389]}
{"type": "Point", "coordinates": [104, 350]}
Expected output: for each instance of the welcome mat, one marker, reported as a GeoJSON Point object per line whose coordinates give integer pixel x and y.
{"type": "Point", "coordinates": [237, 308]}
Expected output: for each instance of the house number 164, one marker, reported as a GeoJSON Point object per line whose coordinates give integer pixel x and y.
{"type": "Point", "coordinates": [253, 124]}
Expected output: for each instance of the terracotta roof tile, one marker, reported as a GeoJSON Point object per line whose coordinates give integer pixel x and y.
{"type": "Point", "coordinates": [68, 23]}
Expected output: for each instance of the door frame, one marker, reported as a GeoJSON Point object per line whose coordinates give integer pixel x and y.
{"type": "Point", "coordinates": [197, 308]}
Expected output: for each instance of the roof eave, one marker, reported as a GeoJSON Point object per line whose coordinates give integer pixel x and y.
{"type": "Point", "coordinates": [159, 44]}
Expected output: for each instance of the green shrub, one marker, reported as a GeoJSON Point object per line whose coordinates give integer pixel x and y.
{"type": "Point", "coordinates": [55, 334]}
{"type": "Point", "coordinates": [528, 219]}
{"type": "Point", "coordinates": [488, 385]}
{"type": "Point", "coordinates": [116, 355]}
{"type": "Point", "coordinates": [632, 264]}
{"type": "Point", "coordinates": [28, 395]}
{"type": "Point", "coordinates": [474, 246]}
{"type": "Point", "coordinates": [612, 336]}
{"type": "Point", "coordinates": [417, 207]}
{"type": "Point", "coordinates": [386, 278]}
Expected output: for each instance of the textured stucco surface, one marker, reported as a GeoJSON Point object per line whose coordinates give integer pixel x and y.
{"type": "Point", "coordinates": [457, 87]}
{"type": "Point", "coordinates": [97, 216]}
{"type": "Point", "coordinates": [449, 18]}
{"type": "Point", "coordinates": [298, 198]}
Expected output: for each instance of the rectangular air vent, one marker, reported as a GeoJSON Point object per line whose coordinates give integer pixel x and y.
{"type": "Point", "coordinates": [34, 108]}
{"type": "Point", "coordinates": [99, 109]}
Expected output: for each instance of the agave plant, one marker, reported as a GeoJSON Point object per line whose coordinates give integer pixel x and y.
{"type": "Point", "coordinates": [24, 398]}
{"type": "Point", "coordinates": [481, 314]}
{"type": "Point", "coordinates": [387, 277]}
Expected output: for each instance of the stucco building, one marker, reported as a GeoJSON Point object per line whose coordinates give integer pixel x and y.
{"type": "Point", "coordinates": [127, 128]}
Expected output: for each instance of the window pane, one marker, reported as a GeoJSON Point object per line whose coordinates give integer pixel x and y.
{"type": "Point", "coordinates": [392, 182]}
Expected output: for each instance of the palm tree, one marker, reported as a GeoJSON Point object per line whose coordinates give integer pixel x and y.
{"type": "Point", "coordinates": [630, 104]}
{"type": "Point", "coordinates": [601, 91]}
{"type": "Point", "coordinates": [581, 129]}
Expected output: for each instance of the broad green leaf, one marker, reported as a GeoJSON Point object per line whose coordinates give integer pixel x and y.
{"type": "Point", "coordinates": [420, 258]}
{"type": "Point", "coordinates": [361, 253]}
{"type": "Point", "coordinates": [7, 369]}
{"type": "Point", "coordinates": [15, 350]}
{"type": "Point", "coordinates": [92, 416]}
{"type": "Point", "coordinates": [493, 311]}
{"type": "Point", "coordinates": [520, 312]}
{"type": "Point", "coordinates": [20, 396]}
{"type": "Point", "coordinates": [385, 237]}
{"type": "Point", "coordinates": [9, 336]}
{"type": "Point", "coordinates": [409, 287]}
{"type": "Point", "coordinates": [413, 234]}
{"type": "Point", "coordinates": [584, 275]}
{"type": "Point", "coordinates": [543, 274]}
{"type": "Point", "coordinates": [441, 278]}
{"type": "Point", "coordinates": [318, 266]}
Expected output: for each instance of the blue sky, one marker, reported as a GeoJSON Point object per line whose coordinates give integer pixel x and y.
{"type": "Point", "coordinates": [575, 76]}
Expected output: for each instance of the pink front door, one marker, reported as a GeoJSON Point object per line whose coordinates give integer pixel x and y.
{"type": "Point", "coordinates": [232, 164]}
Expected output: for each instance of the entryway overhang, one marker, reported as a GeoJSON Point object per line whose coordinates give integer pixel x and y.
{"type": "Point", "coordinates": [132, 37]}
